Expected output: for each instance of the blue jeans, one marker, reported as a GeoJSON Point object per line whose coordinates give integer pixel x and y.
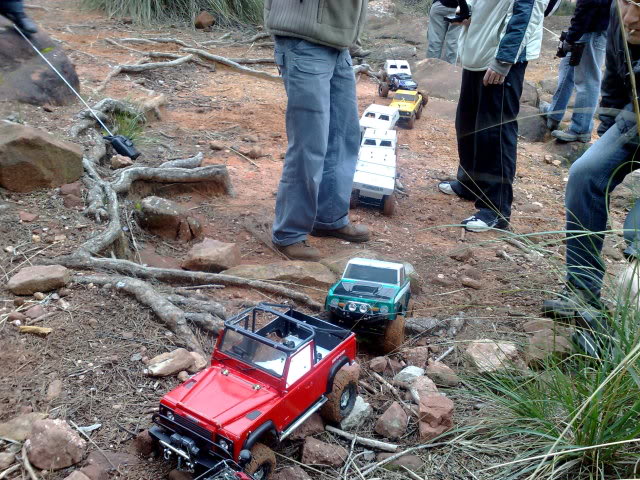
{"type": "Point", "coordinates": [441, 35]}
{"type": "Point", "coordinates": [324, 139]}
{"type": "Point", "coordinates": [586, 78]}
{"type": "Point", "coordinates": [592, 178]}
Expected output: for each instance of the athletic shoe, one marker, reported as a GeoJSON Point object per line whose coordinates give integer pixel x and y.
{"type": "Point", "coordinates": [453, 187]}
{"type": "Point", "coordinates": [485, 220]}
{"type": "Point", "coordinates": [544, 108]}
{"type": "Point", "coordinates": [569, 302]}
{"type": "Point", "coordinates": [567, 136]}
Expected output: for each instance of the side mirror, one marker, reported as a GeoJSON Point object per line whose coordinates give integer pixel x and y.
{"type": "Point", "coordinates": [244, 458]}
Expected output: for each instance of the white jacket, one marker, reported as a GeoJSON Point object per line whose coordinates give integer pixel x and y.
{"type": "Point", "coordinates": [501, 33]}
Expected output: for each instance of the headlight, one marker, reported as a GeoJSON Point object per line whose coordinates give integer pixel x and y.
{"type": "Point", "coordinates": [363, 308]}
{"type": "Point", "coordinates": [352, 307]}
{"type": "Point", "coordinates": [384, 309]}
{"type": "Point", "coordinates": [170, 415]}
{"type": "Point", "coordinates": [226, 445]}
{"type": "Point", "coordinates": [334, 302]}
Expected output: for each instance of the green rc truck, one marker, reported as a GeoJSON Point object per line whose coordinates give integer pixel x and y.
{"type": "Point", "coordinates": [372, 298]}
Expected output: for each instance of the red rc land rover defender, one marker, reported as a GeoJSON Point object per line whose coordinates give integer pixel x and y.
{"type": "Point", "coordinates": [272, 367]}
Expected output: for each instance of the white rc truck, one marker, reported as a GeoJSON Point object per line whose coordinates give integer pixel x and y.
{"type": "Point", "coordinates": [379, 117]}
{"type": "Point", "coordinates": [375, 178]}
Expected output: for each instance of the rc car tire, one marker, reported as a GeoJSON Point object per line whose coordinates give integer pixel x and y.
{"type": "Point", "coordinates": [411, 122]}
{"type": "Point", "coordinates": [389, 205]}
{"type": "Point", "coordinates": [383, 90]}
{"type": "Point", "coordinates": [341, 399]}
{"type": "Point", "coordinates": [425, 99]}
{"type": "Point", "coordinates": [393, 335]}
{"type": "Point", "coordinates": [263, 462]}
{"type": "Point", "coordinates": [419, 112]}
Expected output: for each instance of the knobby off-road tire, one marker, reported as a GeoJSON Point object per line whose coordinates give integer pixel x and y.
{"type": "Point", "coordinates": [411, 122]}
{"type": "Point", "coordinates": [389, 205]}
{"type": "Point", "coordinates": [419, 112]}
{"type": "Point", "coordinates": [263, 462]}
{"type": "Point", "coordinates": [383, 90]}
{"type": "Point", "coordinates": [341, 399]}
{"type": "Point", "coordinates": [393, 335]}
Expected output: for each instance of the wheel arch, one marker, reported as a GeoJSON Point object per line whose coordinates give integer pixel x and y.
{"type": "Point", "coordinates": [335, 368]}
{"type": "Point", "coordinates": [258, 433]}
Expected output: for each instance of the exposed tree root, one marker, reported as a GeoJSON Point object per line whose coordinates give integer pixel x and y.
{"type": "Point", "coordinates": [214, 308]}
{"type": "Point", "coordinates": [173, 318]}
{"type": "Point", "coordinates": [366, 69]}
{"type": "Point", "coordinates": [206, 322]}
{"type": "Point", "coordinates": [192, 162]}
{"type": "Point", "coordinates": [142, 67]}
{"type": "Point", "coordinates": [232, 64]}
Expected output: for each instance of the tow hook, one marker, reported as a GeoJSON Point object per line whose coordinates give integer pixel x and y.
{"type": "Point", "coordinates": [167, 454]}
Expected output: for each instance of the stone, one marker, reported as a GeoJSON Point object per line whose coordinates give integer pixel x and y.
{"type": "Point", "coordinates": [423, 386]}
{"type": "Point", "coordinates": [143, 443]}
{"type": "Point", "coordinates": [539, 324]}
{"type": "Point", "coordinates": [435, 416]}
{"type": "Point", "coordinates": [35, 312]}
{"type": "Point", "coordinates": [404, 29]}
{"type": "Point", "coordinates": [393, 422]}
{"type": "Point", "coordinates": [77, 475]}
{"type": "Point", "coordinates": [109, 461]}
{"type": "Point", "coordinates": [385, 365]}
{"type": "Point", "coordinates": [549, 85]}
{"type": "Point", "coordinates": [422, 325]}
{"type": "Point", "coordinates": [204, 20]}
{"type": "Point", "coordinates": [415, 279]}
{"type": "Point", "coordinates": [74, 188]}
{"type": "Point", "coordinates": [95, 472]}
{"type": "Point", "coordinates": [71, 201]}
{"type": "Point", "coordinates": [311, 426]}
{"type": "Point", "coordinates": [545, 343]}
{"type": "Point", "coordinates": [416, 356]}
{"type": "Point", "coordinates": [441, 374]}
{"type": "Point", "coordinates": [183, 376]}
{"type": "Point", "coordinates": [312, 274]}
{"type": "Point", "coordinates": [199, 363]}
{"type": "Point", "coordinates": [13, 316]}
{"type": "Point", "coordinates": [408, 374]}
{"type": "Point", "coordinates": [167, 219]}
{"type": "Point", "coordinates": [31, 159]}
{"type": "Point", "coordinates": [316, 452]}
{"type": "Point", "coordinates": [120, 161]}
{"type": "Point", "coordinates": [27, 217]}
{"type": "Point", "coordinates": [338, 262]}
{"type": "Point", "coordinates": [54, 390]}
{"type": "Point", "coordinates": [41, 278]}
{"type": "Point", "coordinates": [254, 153]}
{"type": "Point", "coordinates": [215, 145]}
{"type": "Point", "coordinates": [439, 78]}
{"type": "Point", "coordinates": [212, 256]}
{"type": "Point", "coordinates": [25, 76]}
{"type": "Point", "coordinates": [170, 363]}
{"type": "Point", "coordinates": [6, 460]}
{"type": "Point", "coordinates": [530, 95]}
{"type": "Point", "coordinates": [361, 412]}
{"type": "Point", "coordinates": [53, 445]}
{"type": "Point", "coordinates": [471, 283]}
{"type": "Point", "coordinates": [411, 462]}
{"type": "Point", "coordinates": [490, 356]}
{"type": "Point", "coordinates": [461, 254]}
{"type": "Point", "coordinates": [291, 473]}
{"type": "Point", "coordinates": [531, 125]}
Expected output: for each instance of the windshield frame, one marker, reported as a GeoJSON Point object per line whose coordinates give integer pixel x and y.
{"type": "Point", "coordinates": [346, 277]}
{"type": "Point", "coordinates": [405, 97]}
{"type": "Point", "coordinates": [285, 351]}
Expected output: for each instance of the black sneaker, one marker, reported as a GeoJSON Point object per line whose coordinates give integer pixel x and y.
{"type": "Point", "coordinates": [592, 335]}
{"type": "Point", "coordinates": [569, 302]}
{"type": "Point", "coordinates": [485, 220]}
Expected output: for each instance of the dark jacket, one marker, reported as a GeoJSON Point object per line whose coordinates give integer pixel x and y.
{"type": "Point", "coordinates": [616, 105]}
{"type": "Point", "coordinates": [590, 16]}
{"type": "Point", "coordinates": [449, 3]}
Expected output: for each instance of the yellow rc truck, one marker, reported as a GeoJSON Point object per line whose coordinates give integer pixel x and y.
{"type": "Point", "coordinates": [410, 104]}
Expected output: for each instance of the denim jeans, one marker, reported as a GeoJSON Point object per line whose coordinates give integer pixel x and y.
{"type": "Point", "coordinates": [592, 178]}
{"type": "Point", "coordinates": [586, 78]}
{"type": "Point", "coordinates": [324, 139]}
{"type": "Point", "coordinates": [441, 35]}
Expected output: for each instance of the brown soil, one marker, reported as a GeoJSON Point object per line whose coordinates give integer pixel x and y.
{"type": "Point", "coordinates": [94, 339]}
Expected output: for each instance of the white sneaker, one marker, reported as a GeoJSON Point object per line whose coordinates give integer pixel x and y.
{"type": "Point", "coordinates": [482, 222]}
{"type": "Point", "coordinates": [446, 188]}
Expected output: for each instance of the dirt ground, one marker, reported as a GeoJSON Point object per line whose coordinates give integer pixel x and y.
{"type": "Point", "coordinates": [96, 337]}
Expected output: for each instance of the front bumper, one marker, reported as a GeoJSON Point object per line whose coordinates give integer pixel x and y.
{"type": "Point", "coordinates": [361, 322]}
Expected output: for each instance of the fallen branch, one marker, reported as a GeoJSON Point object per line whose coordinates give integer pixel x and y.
{"type": "Point", "coordinates": [222, 40]}
{"type": "Point", "coordinates": [27, 465]}
{"type": "Point", "coordinates": [172, 317]}
{"type": "Point", "coordinates": [368, 442]}
{"type": "Point", "coordinates": [244, 156]}
{"type": "Point", "coordinates": [192, 162]}
{"type": "Point", "coordinates": [253, 61]}
{"type": "Point", "coordinates": [9, 471]}
{"type": "Point", "coordinates": [401, 454]}
{"type": "Point", "coordinates": [142, 67]}
{"type": "Point", "coordinates": [232, 64]}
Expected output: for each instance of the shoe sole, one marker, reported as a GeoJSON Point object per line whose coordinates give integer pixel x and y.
{"type": "Point", "coordinates": [485, 229]}
{"type": "Point", "coordinates": [331, 233]}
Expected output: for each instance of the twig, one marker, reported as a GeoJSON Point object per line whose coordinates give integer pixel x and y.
{"type": "Point", "coordinates": [387, 384]}
{"type": "Point", "coordinates": [141, 67]}
{"type": "Point", "coordinates": [387, 447]}
{"type": "Point", "coordinates": [27, 464]}
{"type": "Point", "coordinates": [9, 471]}
{"type": "Point", "coordinates": [198, 287]}
{"type": "Point", "coordinates": [367, 387]}
{"type": "Point", "coordinates": [413, 475]}
{"type": "Point", "coordinates": [244, 156]}
{"type": "Point", "coordinates": [402, 454]}
{"type": "Point", "coordinates": [449, 350]}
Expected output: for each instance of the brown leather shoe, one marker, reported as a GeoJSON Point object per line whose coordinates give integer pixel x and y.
{"type": "Point", "coordinates": [350, 233]}
{"type": "Point", "coordinates": [300, 251]}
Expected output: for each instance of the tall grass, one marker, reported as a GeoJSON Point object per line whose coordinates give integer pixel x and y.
{"type": "Point", "coordinates": [145, 11]}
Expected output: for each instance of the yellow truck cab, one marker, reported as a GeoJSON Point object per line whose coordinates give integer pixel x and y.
{"type": "Point", "coordinates": [410, 104]}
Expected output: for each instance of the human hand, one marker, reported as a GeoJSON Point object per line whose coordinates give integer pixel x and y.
{"type": "Point", "coordinates": [492, 78]}
{"type": "Point", "coordinates": [464, 23]}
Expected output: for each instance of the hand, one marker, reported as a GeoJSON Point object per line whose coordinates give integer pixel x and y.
{"type": "Point", "coordinates": [464, 23]}
{"type": "Point", "coordinates": [492, 78]}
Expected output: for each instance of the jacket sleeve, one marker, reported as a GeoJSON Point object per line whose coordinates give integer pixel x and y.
{"type": "Point", "coordinates": [580, 20]}
{"type": "Point", "coordinates": [512, 43]}
{"type": "Point", "coordinates": [614, 95]}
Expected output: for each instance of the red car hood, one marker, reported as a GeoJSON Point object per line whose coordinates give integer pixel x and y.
{"type": "Point", "coordinates": [217, 398]}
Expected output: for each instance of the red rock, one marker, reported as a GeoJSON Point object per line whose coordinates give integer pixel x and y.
{"type": "Point", "coordinates": [143, 443]}
{"type": "Point", "coordinates": [436, 416]}
{"type": "Point", "coordinates": [312, 426]}
{"type": "Point", "coordinates": [71, 201]}
{"type": "Point", "coordinates": [490, 356]}
{"type": "Point", "coordinates": [416, 356]}
{"type": "Point", "coordinates": [315, 452]}
{"type": "Point", "coordinates": [108, 461]}
{"type": "Point", "coordinates": [19, 428]}
{"type": "Point", "coordinates": [393, 422]}
{"type": "Point", "coordinates": [199, 363]}
{"type": "Point", "coordinates": [412, 462]}
{"type": "Point", "coordinates": [13, 316]}
{"type": "Point", "coordinates": [441, 374]}
{"type": "Point", "coordinates": [428, 433]}
{"type": "Point", "coordinates": [74, 188]}
{"type": "Point", "coordinates": [30, 280]}
{"type": "Point", "coordinates": [212, 256]}
{"type": "Point", "coordinates": [204, 20]}
{"type": "Point", "coordinates": [54, 390]}
{"type": "Point", "coordinates": [35, 312]}
{"type": "Point", "coordinates": [385, 365]}
{"type": "Point", "coordinates": [170, 363]}
{"type": "Point", "coordinates": [120, 161]}
{"type": "Point", "coordinates": [27, 217]}
{"type": "Point", "coordinates": [95, 472]}
{"type": "Point", "coordinates": [77, 475]}
{"type": "Point", "coordinates": [44, 445]}
{"type": "Point", "coordinates": [423, 385]}
{"type": "Point", "coordinates": [291, 473]}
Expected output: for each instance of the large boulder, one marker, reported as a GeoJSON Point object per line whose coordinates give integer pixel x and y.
{"type": "Point", "coordinates": [31, 159]}
{"type": "Point", "coordinates": [531, 126]}
{"type": "Point", "coordinates": [406, 30]}
{"type": "Point", "coordinates": [167, 219]}
{"type": "Point", "coordinates": [41, 278]}
{"type": "Point", "coordinates": [170, 363]}
{"type": "Point", "coordinates": [530, 95]}
{"type": "Point", "coordinates": [212, 256]}
{"type": "Point", "coordinates": [311, 274]}
{"type": "Point", "coordinates": [19, 428]}
{"type": "Point", "coordinates": [438, 78]}
{"type": "Point", "coordinates": [25, 77]}
{"type": "Point", "coordinates": [53, 445]}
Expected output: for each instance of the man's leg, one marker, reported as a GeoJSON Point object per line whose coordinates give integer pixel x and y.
{"type": "Point", "coordinates": [588, 76]}
{"type": "Point", "coordinates": [497, 142]}
{"type": "Point", "coordinates": [451, 42]}
{"type": "Point", "coordinates": [342, 153]}
{"type": "Point", "coordinates": [437, 30]}
{"type": "Point", "coordinates": [555, 110]}
{"type": "Point", "coordinates": [14, 11]}
{"type": "Point", "coordinates": [307, 69]}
